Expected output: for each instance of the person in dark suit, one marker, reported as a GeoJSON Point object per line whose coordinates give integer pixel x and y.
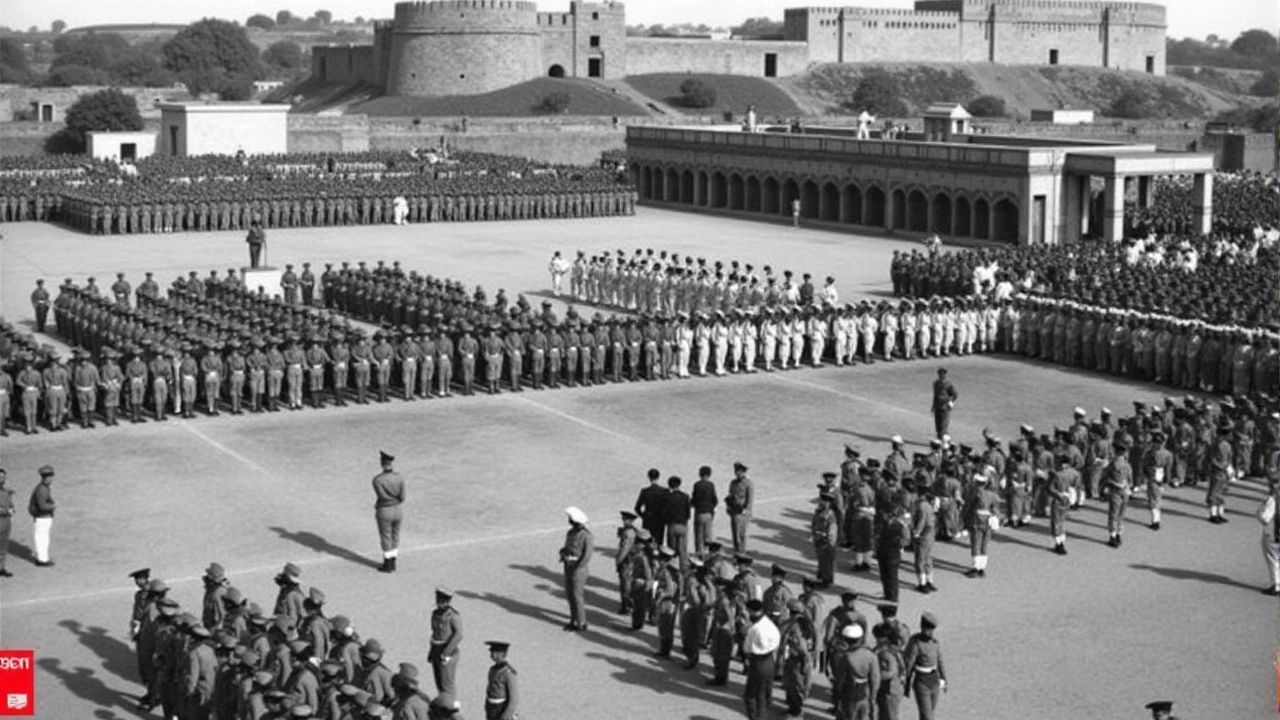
{"type": "Point", "coordinates": [704, 509]}
{"type": "Point", "coordinates": [651, 506]}
{"type": "Point", "coordinates": [677, 512]}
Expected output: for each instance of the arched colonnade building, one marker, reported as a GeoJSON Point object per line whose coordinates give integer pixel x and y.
{"type": "Point", "coordinates": [980, 187]}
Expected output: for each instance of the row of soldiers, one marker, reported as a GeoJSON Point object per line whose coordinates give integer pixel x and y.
{"type": "Point", "coordinates": [233, 661]}
{"type": "Point", "coordinates": [719, 604]}
{"type": "Point", "coordinates": [1181, 353]}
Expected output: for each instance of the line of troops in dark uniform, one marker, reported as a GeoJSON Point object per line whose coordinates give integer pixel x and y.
{"type": "Point", "coordinates": [720, 604]}
{"type": "Point", "coordinates": [1240, 199]}
{"type": "Point", "coordinates": [233, 661]}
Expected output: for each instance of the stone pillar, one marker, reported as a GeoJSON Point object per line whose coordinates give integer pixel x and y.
{"type": "Point", "coordinates": [1113, 209]}
{"type": "Point", "coordinates": [1144, 191]}
{"type": "Point", "coordinates": [699, 190]}
{"type": "Point", "coordinates": [889, 210]}
{"type": "Point", "coordinates": [1202, 214]}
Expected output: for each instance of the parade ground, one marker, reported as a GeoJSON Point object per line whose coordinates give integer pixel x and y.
{"type": "Point", "coordinates": [1174, 614]}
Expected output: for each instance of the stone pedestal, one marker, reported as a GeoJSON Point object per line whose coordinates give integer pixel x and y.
{"type": "Point", "coordinates": [266, 277]}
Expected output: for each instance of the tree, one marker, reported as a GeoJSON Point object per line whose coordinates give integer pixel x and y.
{"type": "Point", "coordinates": [1255, 43]}
{"type": "Point", "coordinates": [284, 17]}
{"type": "Point", "coordinates": [324, 16]}
{"type": "Point", "coordinates": [95, 50]}
{"type": "Point", "coordinates": [285, 55]}
{"type": "Point", "coordinates": [14, 67]}
{"type": "Point", "coordinates": [105, 110]}
{"type": "Point", "coordinates": [57, 26]}
{"type": "Point", "coordinates": [987, 106]}
{"type": "Point", "coordinates": [1134, 103]}
{"type": "Point", "coordinates": [207, 54]}
{"type": "Point", "coordinates": [260, 21]}
{"type": "Point", "coordinates": [71, 75]}
{"type": "Point", "coordinates": [878, 93]}
{"type": "Point", "coordinates": [236, 87]}
{"type": "Point", "coordinates": [1268, 85]}
{"type": "Point", "coordinates": [697, 93]}
{"type": "Point", "coordinates": [758, 27]}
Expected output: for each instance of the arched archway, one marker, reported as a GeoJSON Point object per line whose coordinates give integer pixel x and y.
{"type": "Point", "coordinates": [875, 214]}
{"type": "Point", "coordinates": [829, 207]}
{"type": "Point", "coordinates": [964, 218]}
{"type": "Point", "coordinates": [700, 190]}
{"type": "Point", "coordinates": [769, 196]}
{"type": "Point", "coordinates": [753, 194]}
{"type": "Point", "coordinates": [737, 192]}
{"type": "Point", "coordinates": [809, 199]}
{"type": "Point", "coordinates": [1004, 221]}
{"type": "Point", "coordinates": [982, 219]}
{"type": "Point", "coordinates": [790, 193]}
{"type": "Point", "coordinates": [686, 187]}
{"type": "Point", "coordinates": [672, 185]}
{"type": "Point", "coordinates": [940, 214]}
{"type": "Point", "coordinates": [851, 205]}
{"type": "Point", "coordinates": [556, 71]}
{"type": "Point", "coordinates": [719, 190]}
{"type": "Point", "coordinates": [646, 183]}
{"type": "Point", "coordinates": [899, 210]}
{"type": "Point", "coordinates": [917, 211]}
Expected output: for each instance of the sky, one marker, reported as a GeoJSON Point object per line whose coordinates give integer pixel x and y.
{"type": "Point", "coordinates": [1187, 18]}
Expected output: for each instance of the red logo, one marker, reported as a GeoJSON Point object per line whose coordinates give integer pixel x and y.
{"type": "Point", "coordinates": [17, 682]}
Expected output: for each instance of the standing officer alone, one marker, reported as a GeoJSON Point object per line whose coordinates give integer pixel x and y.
{"type": "Point", "coordinates": [944, 398]}
{"type": "Point", "coordinates": [40, 508]}
{"type": "Point", "coordinates": [738, 504]}
{"type": "Point", "coordinates": [576, 557]}
{"type": "Point", "coordinates": [40, 303]}
{"type": "Point", "coordinates": [501, 697]}
{"type": "Point", "coordinates": [388, 487]}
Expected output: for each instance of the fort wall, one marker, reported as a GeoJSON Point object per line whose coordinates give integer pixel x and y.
{"type": "Point", "coordinates": [727, 57]}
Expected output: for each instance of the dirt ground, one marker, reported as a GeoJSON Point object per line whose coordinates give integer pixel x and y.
{"type": "Point", "coordinates": [1172, 615]}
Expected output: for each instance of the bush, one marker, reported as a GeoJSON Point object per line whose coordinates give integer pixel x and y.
{"type": "Point", "coordinates": [68, 75]}
{"type": "Point", "coordinates": [1134, 103]}
{"type": "Point", "coordinates": [554, 103]}
{"type": "Point", "coordinates": [697, 93]}
{"type": "Point", "coordinates": [878, 93]}
{"type": "Point", "coordinates": [109, 110]}
{"type": "Point", "coordinates": [987, 106]}
{"type": "Point", "coordinates": [1266, 86]}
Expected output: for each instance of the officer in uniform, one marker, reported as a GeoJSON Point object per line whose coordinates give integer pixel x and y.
{"type": "Point", "coordinates": [926, 673]}
{"type": "Point", "coordinates": [627, 545]}
{"type": "Point", "coordinates": [944, 398]}
{"type": "Point", "coordinates": [502, 696]}
{"type": "Point", "coordinates": [575, 555]}
{"type": "Point", "coordinates": [40, 303]}
{"type": "Point", "coordinates": [446, 638]}
{"type": "Point", "coordinates": [389, 491]}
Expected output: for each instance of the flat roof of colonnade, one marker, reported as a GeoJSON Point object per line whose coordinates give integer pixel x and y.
{"type": "Point", "coordinates": [992, 153]}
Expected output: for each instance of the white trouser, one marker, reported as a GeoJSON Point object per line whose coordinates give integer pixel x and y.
{"type": "Point", "coordinates": [1271, 552]}
{"type": "Point", "coordinates": [40, 532]}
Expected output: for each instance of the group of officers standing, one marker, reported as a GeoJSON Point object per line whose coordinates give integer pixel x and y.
{"type": "Point", "coordinates": [229, 659]}
{"type": "Point", "coordinates": [674, 579]}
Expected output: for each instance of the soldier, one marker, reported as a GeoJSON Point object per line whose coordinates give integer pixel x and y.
{"type": "Point", "coordinates": [575, 555]}
{"type": "Point", "coordinates": [514, 346]}
{"type": "Point", "coordinates": [6, 528]}
{"type": "Point", "coordinates": [289, 284]}
{"type": "Point", "coordinates": [256, 367]}
{"type": "Point", "coordinates": [1117, 482]}
{"type": "Point", "coordinates": [641, 574]}
{"type": "Point", "coordinates": [211, 369]}
{"type": "Point", "coordinates": [86, 378]}
{"type": "Point", "coordinates": [235, 367]}
{"type": "Point", "coordinates": [56, 379]}
{"type": "Point", "coordinates": [382, 354]}
{"type": "Point", "coordinates": [113, 381]}
{"type": "Point", "coordinates": [446, 639]}
{"type": "Point", "coordinates": [981, 518]}
{"type": "Point", "coordinates": [666, 600]}
{"type": "Point", "coordinates": [161, 370]}
{"type": "Point", "coordinates": [627, 546]}
{"type": "Point", "coordinates": [1221, 472]}
{"type": "Point", "coordinates": [374, 677]}
{"type": "Point", "coordinates": [923, 531]}
{"type": "Point", "coordinates": [199, 672]}
{"type": "Point", "coordinates": [186, 372]}
{"type": "Point", "coordinates": [121, 289]}
{"type": "Point", "coordinates": [40, 304]}
{"type": "Point", "coordinates": [502, 698]}
{"type": "Point", "coordinates": [739, 504]}
{"type": "Point", "coordinates": [31, 385]}
{"type": "Point", "coordinates": [1061, 490]}
{"type": "Point", "coordinates": [389, 491]}
{"type": "Point", "coordinates": [944, 399]}
{"type": "Point", "coordinates": [316, 360]}
{"type": "Point", "coordinates": [759, 648]}
{"type": "Point", "coordinates": [926, 673]}
{"type": "Point", "coordinates": [41, 507]}
{"type": "Point", "coordinates": [824, 532]}
{"type": "Point", "coordinates": [856, 676]}
{"type": "Point", "coordinates": [307, 281]}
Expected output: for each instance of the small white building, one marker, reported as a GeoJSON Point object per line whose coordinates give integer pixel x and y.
{"type": "Point", "coordinates": [122, 146]}
{"type": "Point", "coordinates": [1062, 116]}
{"type": "Point", "coordinates": [943, 120]}
{"type": "Point", "coordinates": [223, 128]}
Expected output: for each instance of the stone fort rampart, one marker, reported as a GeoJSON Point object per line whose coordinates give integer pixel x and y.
{"type": "Point", "coordinates": [459, 47]}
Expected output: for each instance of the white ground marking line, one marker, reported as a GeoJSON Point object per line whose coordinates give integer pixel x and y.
{"type": "Point", "coordinates": [574, 419]}
{"type": "Point", "coordinates": [219, 446]}
{"type": "Point", "coordinates": [326, 559]}
{"type": "Point", "coordinates": [851, 396]}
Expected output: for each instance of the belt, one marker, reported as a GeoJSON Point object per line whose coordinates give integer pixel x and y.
{"type": "Point", "coordinates": [55, 387]}
{"type": "Point", "coordinates": [84, 387]}
{"type": "Point", "coordinates": [495, 701]}
{"type": "Point", "coordinates": [295, 365]}
{"type": "Point", "coordinates": [317, 367]}
{"type": "Point", "coordinates": [922, 669]}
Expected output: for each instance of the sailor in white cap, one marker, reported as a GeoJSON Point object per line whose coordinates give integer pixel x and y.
{"type": "Point", "coordinates": [575, 555]}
